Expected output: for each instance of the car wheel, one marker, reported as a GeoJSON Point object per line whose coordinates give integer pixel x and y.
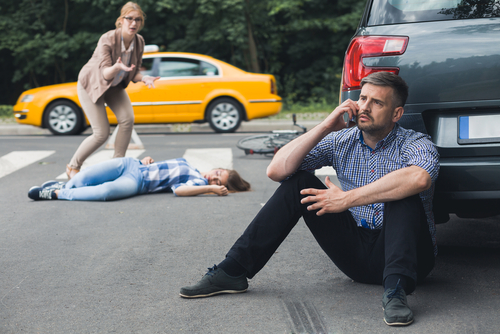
{"type": "Point", "coordinates": [64, 118]}
{"type": "Point", "coordinates": [224, 115]}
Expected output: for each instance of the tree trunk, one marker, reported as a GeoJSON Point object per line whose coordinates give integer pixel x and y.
{"type": "Point", "coordinates": [252, 48]}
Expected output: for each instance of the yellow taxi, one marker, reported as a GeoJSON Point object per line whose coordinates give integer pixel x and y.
{"type": "Point", "coordinates": [192, 88]}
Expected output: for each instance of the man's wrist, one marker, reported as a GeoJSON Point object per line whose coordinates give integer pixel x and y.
{"type": "Point", "coordinates": [144, 77]}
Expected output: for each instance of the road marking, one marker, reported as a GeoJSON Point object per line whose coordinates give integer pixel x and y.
{"type": "Point", "coordinates": [325, 171]}
{"type": "Point", "coordinates": [101, 156]}
{"type": "Point", "coordinates": [15, 160]}
{"type": "Point", "coordinates": [203, 159]}
{"type": "Point", "coordinates": [206, 159]}
{"type": "Point", "coordinates": [303, 317]}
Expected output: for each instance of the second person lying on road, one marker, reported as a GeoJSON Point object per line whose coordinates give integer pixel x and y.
{"type": "Point", "coordinates": [125, 177]}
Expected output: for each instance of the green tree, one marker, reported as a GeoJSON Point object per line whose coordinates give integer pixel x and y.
{"type": "Point", "coordinates": [301, 42]}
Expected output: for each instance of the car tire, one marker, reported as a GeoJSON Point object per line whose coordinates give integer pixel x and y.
{"type": "Point", "coordinates": [224, 115]}
{"type": "Point", "coordinates": [64, 118]}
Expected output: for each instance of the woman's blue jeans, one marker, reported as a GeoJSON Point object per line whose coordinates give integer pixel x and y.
{"type": "Point", "coordinates": [110, 180]}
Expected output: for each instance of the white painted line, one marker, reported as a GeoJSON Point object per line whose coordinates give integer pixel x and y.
{"type": "Point", "coordinates": [101, 156]}
{"type": "Point", "coordinates": [206, 159]}
{"type": "Point", "coordinates": [325, 171]}
{"type": "Point", "coordinates": [135, 141]}
{"type": "Point", "coordinates": [15, 160]}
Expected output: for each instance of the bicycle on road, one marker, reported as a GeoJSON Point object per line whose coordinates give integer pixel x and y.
{"type": "Point", "coordinates": [272, 142]}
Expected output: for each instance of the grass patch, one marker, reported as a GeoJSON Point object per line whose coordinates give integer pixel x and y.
{"type": "Point", "coordinates": [6, 111]}
{"type": "Point", "coordinates": [315, 110]}
{"type": "Point", "coordinates": [6, 115]}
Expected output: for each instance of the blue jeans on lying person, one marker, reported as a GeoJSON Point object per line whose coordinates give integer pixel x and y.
{"type": "Point", "coordinates": [110, 180]}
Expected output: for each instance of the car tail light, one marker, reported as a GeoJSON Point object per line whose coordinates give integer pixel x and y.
{"type": "Point", "coordinates": [369, 46]}
{"type": "Point", "coordinates": [273, 87]}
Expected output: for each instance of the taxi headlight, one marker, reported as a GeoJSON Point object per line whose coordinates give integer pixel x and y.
{"type": "Point", "coordinates": [27, 98]}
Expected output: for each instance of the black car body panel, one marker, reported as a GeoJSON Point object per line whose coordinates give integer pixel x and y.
{"type": "Point", "coordinates": [452, 68]}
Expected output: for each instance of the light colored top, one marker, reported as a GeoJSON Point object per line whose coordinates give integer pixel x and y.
{"type": "Point", "coordinates": [126, 56]}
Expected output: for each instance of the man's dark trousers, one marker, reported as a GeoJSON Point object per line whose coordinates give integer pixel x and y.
{"type": "Point", "coordinates": [403, 246]}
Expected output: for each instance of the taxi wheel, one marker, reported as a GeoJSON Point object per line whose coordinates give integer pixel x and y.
{"type": "Point", "coordinates": [63, 118]}
{"type": "Point", "coordinates": [224, 115]}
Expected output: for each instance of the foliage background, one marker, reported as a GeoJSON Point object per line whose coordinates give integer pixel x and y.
{"type": "Point", "coordinates": [301, 42]}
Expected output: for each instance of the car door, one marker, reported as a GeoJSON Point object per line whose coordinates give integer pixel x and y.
{"type": "Point", "coordinates": [182, 83]}
{"type": "Point", "coordinates": [140, 95]}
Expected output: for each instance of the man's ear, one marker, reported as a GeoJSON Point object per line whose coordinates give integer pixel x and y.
{"type": "Point", "coordinates": [397, 114]}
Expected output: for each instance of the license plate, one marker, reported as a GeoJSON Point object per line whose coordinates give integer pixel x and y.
{"type": "Point", "coordinates": [479, 129]}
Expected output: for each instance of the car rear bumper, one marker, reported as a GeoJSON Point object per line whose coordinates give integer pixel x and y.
{"type": "Point", "coordinates": [468, 188]}
{"type": "Point", "coordinates": [263, 108]}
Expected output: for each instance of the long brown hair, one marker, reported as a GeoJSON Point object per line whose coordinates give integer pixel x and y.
{"type": "Point", "coordinates": [235, 182]}
{"type": "Point", "coordinates": [127, 8]}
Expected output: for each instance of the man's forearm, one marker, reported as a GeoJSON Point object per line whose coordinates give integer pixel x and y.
{"type": "Point", "coordinates": [289, 157]}
{"type": "Point", "coordinates": [394, 186]}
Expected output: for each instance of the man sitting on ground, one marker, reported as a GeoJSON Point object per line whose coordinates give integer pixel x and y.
{"type": "Point", "coordinates": [379, 229]}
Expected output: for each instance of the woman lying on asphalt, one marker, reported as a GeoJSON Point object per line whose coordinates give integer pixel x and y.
{"type": "Point", "coordinates": [125, 177]}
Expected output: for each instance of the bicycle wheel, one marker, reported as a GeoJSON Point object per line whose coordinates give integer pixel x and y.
{"type": "Point", "coordinates": [264, 144]}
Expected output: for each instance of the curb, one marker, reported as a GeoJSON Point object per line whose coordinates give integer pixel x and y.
{"type": "Point", "coordinates": [264, 125]}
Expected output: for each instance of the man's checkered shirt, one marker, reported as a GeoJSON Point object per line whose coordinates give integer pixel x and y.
{"type": "Point", "coordinates": [171, 174]}
{"type": "Point", "coordinates": [357, 164]}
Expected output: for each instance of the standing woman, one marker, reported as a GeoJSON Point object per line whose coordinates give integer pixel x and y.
{"type": "Point", "coordinates": [116, 61]}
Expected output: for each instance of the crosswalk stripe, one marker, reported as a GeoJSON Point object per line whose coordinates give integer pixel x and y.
{"type": "Point", "coordinates": [15, 160]}
{"type": "Point", "coordinates": [101, 156]}
{"type": "Point", "coordinates": [325, 171]}
{"type": "Point", "coordinates": [206, 159]}
{"type": "Point", "coordinates": [202, 159]}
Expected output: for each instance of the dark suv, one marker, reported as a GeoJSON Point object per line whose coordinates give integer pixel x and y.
{"type": "Point", "coordinates": [448, 52]}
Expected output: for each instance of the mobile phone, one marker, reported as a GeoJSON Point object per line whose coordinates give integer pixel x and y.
{"type": "Point", "coordinates": [347, 120]}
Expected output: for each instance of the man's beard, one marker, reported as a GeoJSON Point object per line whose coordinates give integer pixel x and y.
{"type": "Point", "coordinates": [371, 128]}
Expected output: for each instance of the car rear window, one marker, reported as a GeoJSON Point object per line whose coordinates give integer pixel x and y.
{"type": "Point", "coordinates": [408, 11]}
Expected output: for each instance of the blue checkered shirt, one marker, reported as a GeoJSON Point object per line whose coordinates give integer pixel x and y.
{"type": "Point", "coordinates": [169, 175]}
{"type": "Point", "coordinates": [357, 164]}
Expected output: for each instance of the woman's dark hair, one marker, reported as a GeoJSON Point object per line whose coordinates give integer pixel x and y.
{"type": "Point", "coordinates": [235, 182]}
{"type": "Point", "coordinates": [387, 79]}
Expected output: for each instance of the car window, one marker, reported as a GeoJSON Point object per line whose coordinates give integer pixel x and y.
{"type": "Point", "coordinates": [147, 66]}
{"type": "Point", "coordinates": [208, 69]}
{"type": "Point", "coordinates": [406, 11]}
{"type": "Point", "coordinates": [179, 67]}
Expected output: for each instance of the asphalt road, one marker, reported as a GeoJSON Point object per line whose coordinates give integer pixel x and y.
{"type": "Point", "coordinates": [116, 267]}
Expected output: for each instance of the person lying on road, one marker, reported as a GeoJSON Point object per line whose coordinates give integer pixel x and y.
{"type": "Point", "coordinates": [378, 229]}
{"type": "Point", "coordinates": [125, 177]}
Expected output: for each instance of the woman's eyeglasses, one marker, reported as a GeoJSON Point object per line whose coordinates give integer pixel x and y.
{"type": "Point", "coordinates": [130, 19]}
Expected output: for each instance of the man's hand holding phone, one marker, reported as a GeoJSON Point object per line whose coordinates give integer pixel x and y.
{"type": "Point", "coordinates": [343, 116]}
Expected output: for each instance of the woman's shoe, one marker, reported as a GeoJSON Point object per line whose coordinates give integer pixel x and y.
{"type": "Point", "coordinates": [71, 171]}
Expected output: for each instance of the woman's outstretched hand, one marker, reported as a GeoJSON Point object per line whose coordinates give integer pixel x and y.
{"type": "Point", "coordinates": [149, 81]}
{"type": "Point", "coordinates": [122, 66]}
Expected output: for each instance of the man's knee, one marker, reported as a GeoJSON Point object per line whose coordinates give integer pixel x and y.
{"type": "Point", "coordinates": [410, 206]}
{"type": "Point", "coordinates": [304, 180]}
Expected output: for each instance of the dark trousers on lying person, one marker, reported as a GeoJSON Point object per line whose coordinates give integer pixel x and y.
{"type": "Point", "coordinates": [403, 246]}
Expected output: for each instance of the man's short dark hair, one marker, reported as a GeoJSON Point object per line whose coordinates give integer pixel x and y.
{"type": "Point", "coordinates": [388, 79]}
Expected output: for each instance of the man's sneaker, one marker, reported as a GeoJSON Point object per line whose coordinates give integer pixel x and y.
{"type": "Point", "coordinates": [396, 310]}
{"type": "Point", "coordinates": [55, 185]}
{"type": "Point", "coordinates": [38, 193]}
{"type": "Point", "coordinates": [215, 282]}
